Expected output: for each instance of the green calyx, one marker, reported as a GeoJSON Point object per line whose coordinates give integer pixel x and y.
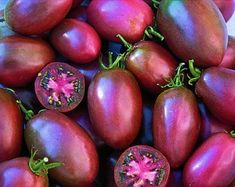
{"type": "Point", "coordinates": [155, 3]}
{"type": "Point", "coordinates": [151, 33]}
{"type": "Point", "coordinates": [28, 113]}
{"type": "Point", "coordinates": [40, 167]}
{"type": "Point", "coordinates": [178, 79]}
{"type": "Point", "coordinates": [195, 73]}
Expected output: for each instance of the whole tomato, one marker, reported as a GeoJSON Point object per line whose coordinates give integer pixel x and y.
{"type": "Point", "coordinates": [60, 139]}
{"type": "Point", "coordinates": [22, 58]}
{"type": "Point", "coordinates": [115, 107]}
{"type": "Point", "coordinates": [193, 30]}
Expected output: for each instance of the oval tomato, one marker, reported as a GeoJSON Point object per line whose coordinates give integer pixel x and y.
{"type": "Point", "coordinates": [115, 107]}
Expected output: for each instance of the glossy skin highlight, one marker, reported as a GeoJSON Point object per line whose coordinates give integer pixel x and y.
{"type": "Point", "coordinates": [16, 172]}
{"type": "Point", "coordinates": [176, 124]}
{"type": "Point", "coordinates": [193, 30]}
{"type": "Point", "coordinates": [30, 17]}
{"type": "Point", "coordinates": [60, 139]}
{"type": "Point", "coordinates": [76, 40]}
{"type": "Point", "coordinates": [151, 64]}
{"type": "Point", "coordinates": [216, 88]}
{"type": "Point", "coordinates": [21, 58]}
{"type": "Point", "coordinates": [212, 164]}
{"type": "Point", "coordinates": [115, 107]}
{"type": "Point", "coordinates": [11, 127]}
{"type": "Point", "coordinates": [128, 18]}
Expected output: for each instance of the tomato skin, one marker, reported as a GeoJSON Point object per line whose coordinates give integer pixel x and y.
{"type": "Point", "coordinates": [226, 7]}
{"type": "Point", "coordinates": [176, 124]}
{"type": "Point", "coordinates": [76, 40]}
{"type": "Point", "coordinates": [57, 137]}
{"type": "Point", "coordinates": [16, 172]}
{"type": "Point", "coordinates": [212, 164]}
{"type": "Point", "coordinates": [210, 124]}
{"type": "Point", "coordinates": [190, 25]}
{"type": "Point", "coordinates": [151, 64]}
{"type": "Point", "coordinates": [216, 88]}
{"type": "Point", "coordinates": [30, 17]}
{"type": "Point", "coordinates": [229, 56]}
{"type": "Point", "coordinates": [11, 127]}
{"type": "Point", "coordinates": [115, 107]}
{"type": "Point", "coordinates": [128, 18]}
{"type": "Point", "coordinates": [22, 59]}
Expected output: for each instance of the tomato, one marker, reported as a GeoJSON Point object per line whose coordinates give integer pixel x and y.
{"type": "Point", "coordinates": [11, 127]}
{"type": "Point", "coordinates": [76, 40]}
{"type": "Point", "coordinates": [115, 107]}
{"type": "Point", "coordinates": [226, 7]}
{"type": "Point", "coordinates": [30, 17]}
{"type": "Point", "coordinates": [60, 86]}
{"type": "Point", "coordinates": [151, 64]}
{"type": "Point", "coordinates": [210, 124]}
{"type": "Point", "coordinates": [128, 18]}
{"type": "Point", "coordinates": [141, 165]}
{"type": "Point", "coordinates": [22, 58]}
{"type": "Point", "coordinates": [229, 57]}
{"type": "Point", "coordinates": [216, 88]}
{"type": "Point", "coordinates": [212, 164]}
{"type": "Point", "coordinates": [176, 124]}
{"type": "Point", "coordinates": [16, 172]}
{"type": "Point", "coordinates": [60, 139]}
{"type": "Point", "coordinates": [193, 30]}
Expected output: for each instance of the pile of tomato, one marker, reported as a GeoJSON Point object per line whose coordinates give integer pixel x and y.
{"type": "Point", "coordinates": [126, 93]}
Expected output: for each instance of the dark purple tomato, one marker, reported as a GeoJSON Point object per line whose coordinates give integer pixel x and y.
{"type": "Point", "coordinates": [210, 125]}
{"type": "Point", "coordinates": [216, 88]}
{"type": "Point", "coordinates": [115, 107]}
{"type": "Point", "coordinates": [76, 40]}
{"type": "Point", "coordinates": [176, 124]}
{"type": "Point", "coordinates": [175, 178]}
{"type": "Point", "coordinates": [128, 18]}
{"type": "Point", "coordinates": [60, 139]}
{"type": "Point", "coordinates": [79, 13]}
{"type": "Point", "coordinates": [229, 56]}
{"type": "Point", "coordinates": [16, 172]}
{"type": "Point", "coordinates": [141, 165]}
{"type": "Point", "coordinates": [21, 59]}
{"type": "Point", "coordinates": [212, 164]}
{"type": "Point", "coordinates": [81, 117]}
{"type": "Point", "coordinates": [151, 64]}
{"type": "Point", "coordinates": [226, 7]}
{"type": "Point", "coordinates": [11, 127]}
{"type": "Point", "coordinates": [193, 30]}
{"type": "Point", "coordinates": [32, 17]}
{"type": "Point", "coordinates": [60, 87]}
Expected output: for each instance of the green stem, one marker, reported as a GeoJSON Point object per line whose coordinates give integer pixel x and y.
{"type": "Point", "coordinates": [155, 3]}
{"type": "Point", "coordinates": [125, 43]}
{"type": "Point", "coordinates": [233, 133]}
{"type": "Point", "coordinates": [178, 79]}
{"type": "Point", "coordinates": [115, 64]}
{"type": "Point", "coordinates": [40, 167]}
{"type": "Point", "coordinates": [196, 72]}
{"type": "Point", "coordinates": [151, 32]}
{"type": "Point", "coordinates": [28, 113]}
